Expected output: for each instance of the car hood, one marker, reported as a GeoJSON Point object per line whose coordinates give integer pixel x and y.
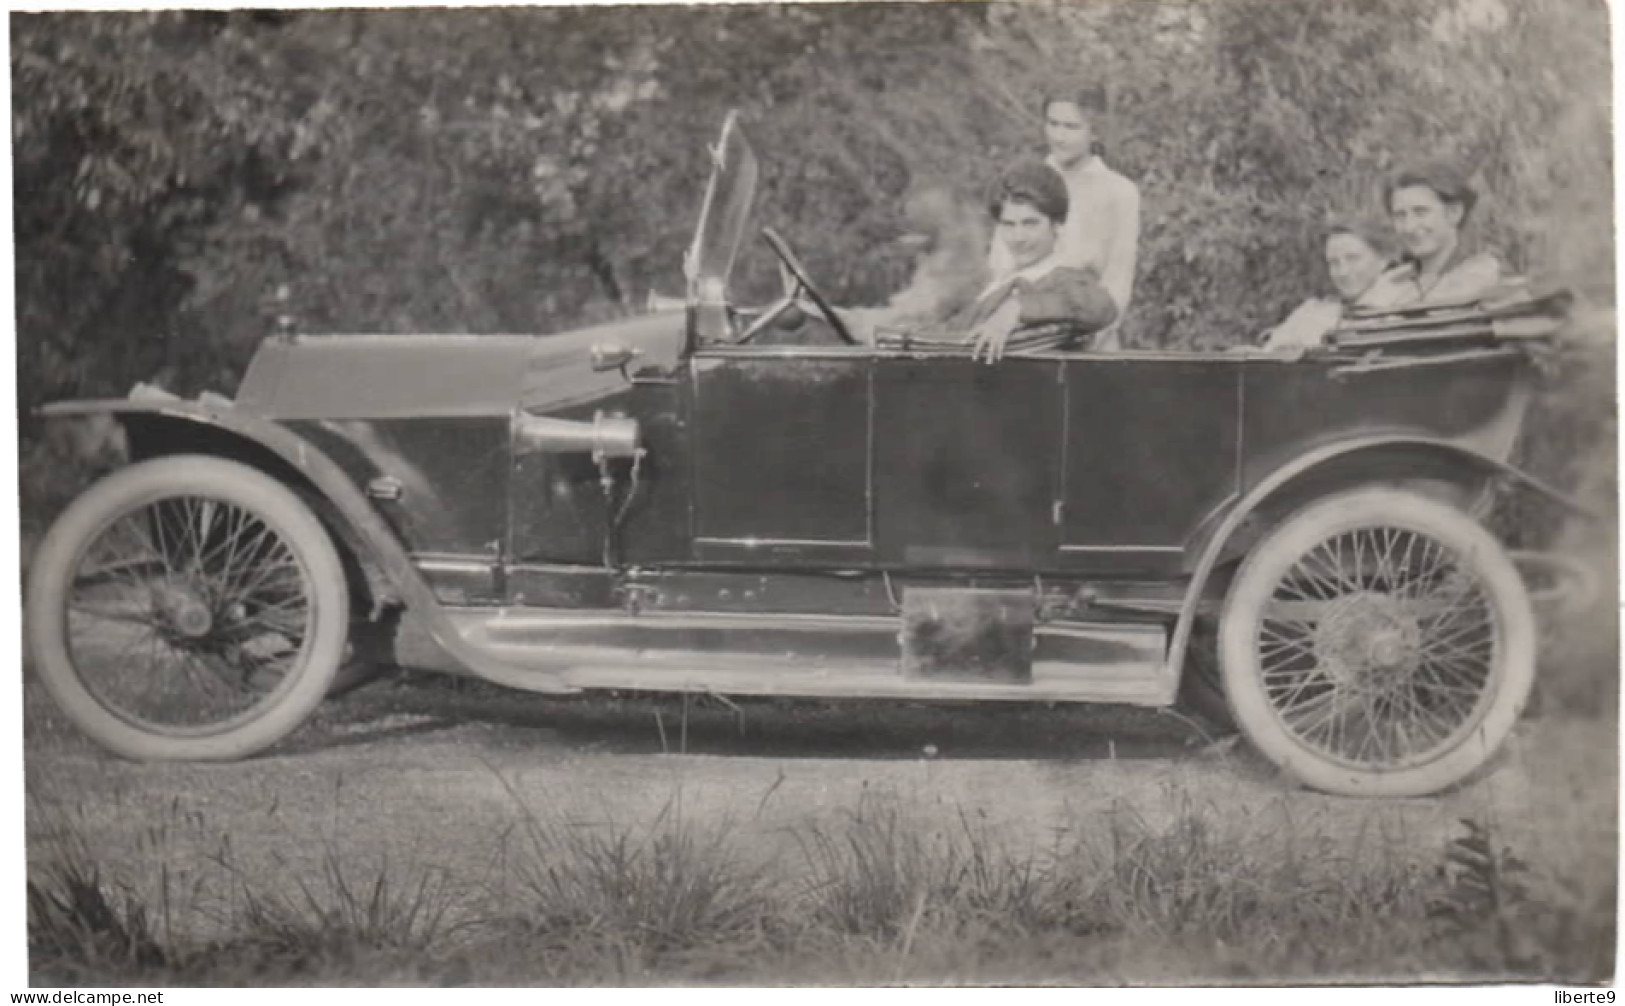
{"type": "Point", "coordinates": [376, 376]}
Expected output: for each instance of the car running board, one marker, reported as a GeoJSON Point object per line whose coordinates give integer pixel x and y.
{"type": "Point", "coordinates": [813, 656]}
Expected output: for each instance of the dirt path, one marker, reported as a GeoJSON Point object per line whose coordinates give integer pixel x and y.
{"type": "Point", "coordinates": [423, 776]}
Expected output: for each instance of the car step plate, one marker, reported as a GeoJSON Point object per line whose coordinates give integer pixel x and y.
{"type": "Point", "coordinates": [968, 634]}
{"type": "Point", "coordinates": [822, 657]}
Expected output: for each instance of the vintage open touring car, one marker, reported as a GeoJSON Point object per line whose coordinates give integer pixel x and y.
{"type": "Point", "coordinates": [670, 503]}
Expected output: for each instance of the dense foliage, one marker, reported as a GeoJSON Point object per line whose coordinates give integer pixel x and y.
{"type": "Point", "coordinates": [184, 177]}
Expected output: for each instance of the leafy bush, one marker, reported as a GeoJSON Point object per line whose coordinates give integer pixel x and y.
{"type": "Point", "coordinates": [184, 178]}
{"type": "Point", "coordinates": [187, 176]}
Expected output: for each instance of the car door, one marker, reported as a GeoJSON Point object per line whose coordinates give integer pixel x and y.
{"type": "Point", "coordinates": [966, 461]}
{"type": "Point", "coordinates": [1152, 448]}
{"type": "Point", "coordinates": [781, 454]}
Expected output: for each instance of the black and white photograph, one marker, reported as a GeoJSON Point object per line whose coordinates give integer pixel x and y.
{"type": "Point", "coordinates": [1083, 493]}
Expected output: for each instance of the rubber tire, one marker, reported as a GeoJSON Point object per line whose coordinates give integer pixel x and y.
{"type": "Point", "coordinates": [59, 553]}
{"type": "Point", "coordinates": [1274, 555]}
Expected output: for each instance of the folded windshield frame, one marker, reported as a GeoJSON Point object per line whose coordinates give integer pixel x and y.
{"type": "Point", "coordinates": [724, 216]}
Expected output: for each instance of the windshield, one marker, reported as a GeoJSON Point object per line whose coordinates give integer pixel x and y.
{"type": "Point", "coordinates": [723, 218]}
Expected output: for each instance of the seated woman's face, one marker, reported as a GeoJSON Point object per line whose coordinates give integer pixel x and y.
{"type": "Point", "coordinates": [1028, 234]}
{"type": "Point", "coordinates": [1352, 264]}
{"type": "Point", "coordinates": [1425, 223]}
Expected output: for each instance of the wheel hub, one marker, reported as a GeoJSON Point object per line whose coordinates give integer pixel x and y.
{"type": "Point", "coordinates": [1368, 640]}
{"type": "Point", "coordinates": [183, 610]}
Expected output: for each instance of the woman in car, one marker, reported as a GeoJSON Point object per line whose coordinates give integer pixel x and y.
{"type": "Point", "coordinates": [1030, 208]}
{"type": "Point", "coordinates": [1357, 255]}
{"type": "Point", "coordinates": [1102, 230]}
{"type": "Point", "coordinates": [1429, 207]}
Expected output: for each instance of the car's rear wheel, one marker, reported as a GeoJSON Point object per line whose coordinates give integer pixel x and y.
{"type": "Point", "coordinates": [1377, 643]}
{"type": "Point", "coordinates": [187, 608]}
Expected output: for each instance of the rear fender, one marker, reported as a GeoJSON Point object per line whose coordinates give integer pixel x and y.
{"type": "Point", "coordinates": [1438, 468]}
{"type": "Point", "coordinates": [163, 427]}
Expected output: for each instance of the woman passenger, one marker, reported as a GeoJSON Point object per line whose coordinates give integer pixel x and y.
{"type": "Point", "coordinates": [1102, 229]}
{"type": "Point", "coordinates": [1429, 206]}
{"type": "Point", "coordinates": [1357, 256]}
{"type": "Point", "coordinates": [1030, 209]}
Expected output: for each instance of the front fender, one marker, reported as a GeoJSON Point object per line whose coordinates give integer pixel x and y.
{"type": "Point", "coordinates": [330, 481]}
{"type": "Point", "coordinates": [1440, 457]}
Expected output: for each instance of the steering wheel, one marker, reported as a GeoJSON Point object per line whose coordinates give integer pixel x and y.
{"type": "Point", "coordinates": [796, 283]}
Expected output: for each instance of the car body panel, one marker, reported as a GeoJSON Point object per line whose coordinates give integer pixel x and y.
{"type": "Point", "coordinates": [1293, 407]}
{"type": "Point", "coordinates": [1066, 464]}
{"type": "Point", "coordinates": [1060, 463]}
{"type": "Point", "coordinates": [431, 415]}
{"type": "Point", "coordinates": [1152, 445]}
{"type": "Point", "coordinates": [420, 376]}
{"type": "Point", "coordinates": [387, 376]}
{"type": "Point", "coordinates": [781, 449]}
{"type": "Point", "coordinates": [418, 471]}
{"type": "Point", "coordinates": [966, 462]}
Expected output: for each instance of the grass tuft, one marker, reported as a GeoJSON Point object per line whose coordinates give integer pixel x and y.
{"type": "Point", "coordinates": [346, 915]}
{"type": "Point", "coordinates": [80, 927]}
{"type": "Point", "coordinates": [635, 895]}
{"type": "Point", "coordinates": [882, 874]}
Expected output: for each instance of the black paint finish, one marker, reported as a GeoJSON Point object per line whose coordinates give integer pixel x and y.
{"type": "Point", "coordinates": [781, 449]}
{"type": "Point", "coordinates": [452, 473]}
{"type": "Point", "coordinates": [966, 462]}
{"type": "Point", "coordinates": [1151, 447]}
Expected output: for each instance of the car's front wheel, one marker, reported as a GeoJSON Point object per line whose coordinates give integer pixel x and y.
{"type": "Point", "coordinates": [187, 608]}
{"type": "Point", "coordinates": [1378, 643]}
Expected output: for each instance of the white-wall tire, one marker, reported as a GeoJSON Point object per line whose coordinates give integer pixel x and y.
{"type": "Point", "coordinates": [1378, 643]}
{"type": "Point", "coordinates": [218, 572]}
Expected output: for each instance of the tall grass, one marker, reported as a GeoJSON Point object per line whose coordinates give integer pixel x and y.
{"type": "Point", "coordinates": [1259, 893]}
{"type": "Point", "coordinates": [1175, 891]}
{"type": "Point", "coordinates": [347, 913]}
{"type": "Point", "coordinates": [666, 886]}
{"type": "Point", "coordinates": [85, 929]}
{"type": "Point", "coordinates": [881, 873]}
{"type": "Point", "coordinates": [621, 898]}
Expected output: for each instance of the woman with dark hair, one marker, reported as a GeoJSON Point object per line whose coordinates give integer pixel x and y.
{"type": "Point", "coordinates": [1030, 206]}
{"type": "Point", "coordinates": [1102, 230]}
{"type": "Point", "coordinates": [1429, 207]}
{"type": "Point", "coordinates": [1357, 256]}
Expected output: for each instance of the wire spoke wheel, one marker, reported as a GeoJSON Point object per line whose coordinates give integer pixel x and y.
{"type": "Point", "coordinates": [187, 608]}
{"type": "Point", "coordinates": [1378, 641]}
{"type": "Point", "coordinates": [1378, 646]}
{"type": "Point", "coordinates": [186, 612]}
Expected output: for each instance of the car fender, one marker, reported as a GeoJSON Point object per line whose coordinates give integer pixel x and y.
{"type": "Point", "coordinates": [373, 532]}
{"type": "Point", "coordinates": [1209, 543]}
